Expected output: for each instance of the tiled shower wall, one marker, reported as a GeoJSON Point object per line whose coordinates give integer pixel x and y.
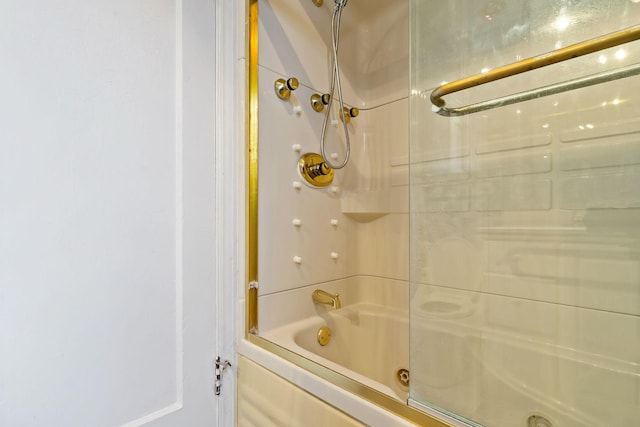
{"type": "Point", "coordinates": [368, 198]}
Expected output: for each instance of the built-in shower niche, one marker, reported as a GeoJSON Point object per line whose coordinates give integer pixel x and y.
{"type": "Point", "coordinates": [366, 206]}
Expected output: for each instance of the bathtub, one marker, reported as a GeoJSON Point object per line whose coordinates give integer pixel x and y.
{"type": "Point", "coordinates": [499, 360]}
{"type": "Point", "coordinates": [359, 346]}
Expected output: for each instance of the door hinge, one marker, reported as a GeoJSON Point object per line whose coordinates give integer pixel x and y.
{"type": "Point", "coordinates": [220, 367]}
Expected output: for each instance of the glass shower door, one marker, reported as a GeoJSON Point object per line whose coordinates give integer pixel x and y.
{"type": "Point", "coordinates": [525, 219]}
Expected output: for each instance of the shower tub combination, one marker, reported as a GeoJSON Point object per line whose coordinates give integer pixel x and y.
{"type": "Point", "coordinates": [514, 335]}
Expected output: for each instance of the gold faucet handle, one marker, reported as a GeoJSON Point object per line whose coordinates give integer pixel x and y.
{"type": "Point", "coordinates": [314, 170]}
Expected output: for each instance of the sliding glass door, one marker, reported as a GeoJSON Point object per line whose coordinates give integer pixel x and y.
{"type": "Point", "coordinates": [525, 219]}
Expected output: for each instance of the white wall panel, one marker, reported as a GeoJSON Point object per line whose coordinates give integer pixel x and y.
{"type": "Point", "coordinates": [294, 40]}
{"type": "Point", "coordinates": [267, 400]}
{"type": "Point", "coordinates": [280, 203]}
{"type": "Point", "coordinates": [107, 213]}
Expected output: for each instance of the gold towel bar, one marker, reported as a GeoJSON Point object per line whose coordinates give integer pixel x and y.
{"type": "Point", "coordinates": [579, 49]}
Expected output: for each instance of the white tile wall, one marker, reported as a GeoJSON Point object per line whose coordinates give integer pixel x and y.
{"type": "Point", "coordinates": [294, 40]}
{"type": "Point", "coordinates": [280, 203]}
{"type": "Point", "coordinates": [376, 50]}
{"type": "Point", "coordinates": [284, 308]}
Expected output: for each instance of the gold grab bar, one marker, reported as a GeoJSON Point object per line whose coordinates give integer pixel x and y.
{"type": "Point", "coordinates": [573, 51]}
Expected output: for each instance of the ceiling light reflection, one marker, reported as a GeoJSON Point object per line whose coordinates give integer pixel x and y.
{"type": "Point", "coordinates": [562, 23]}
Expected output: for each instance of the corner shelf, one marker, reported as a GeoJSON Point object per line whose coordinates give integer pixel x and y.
{"type": "Point", "coordinates": [366, 206]}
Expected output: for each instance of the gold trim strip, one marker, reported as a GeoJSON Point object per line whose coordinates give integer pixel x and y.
{"type": "Point", "coordinates": [251, 321]}
{"type": "Point", "coordinates": [579, 49]}
{"type": "Point", "coordinates": [374, 396]}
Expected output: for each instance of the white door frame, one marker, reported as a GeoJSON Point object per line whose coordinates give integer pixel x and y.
{"type": "Point", "coordinates": [230, 172]}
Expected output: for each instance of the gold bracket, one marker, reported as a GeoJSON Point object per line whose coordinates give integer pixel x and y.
{"type": "Point", "coordinates": [314, 170]}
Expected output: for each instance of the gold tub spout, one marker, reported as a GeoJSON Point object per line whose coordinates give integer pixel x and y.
{"type": "Point", "coordinates": [322, 297]}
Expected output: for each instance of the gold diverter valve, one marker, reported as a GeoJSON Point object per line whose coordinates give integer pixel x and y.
{"type": "Point", "coordinates": [315, 170]}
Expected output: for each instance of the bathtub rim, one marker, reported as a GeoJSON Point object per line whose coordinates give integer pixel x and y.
{"type": "Point", "coordinates": [353, 387]}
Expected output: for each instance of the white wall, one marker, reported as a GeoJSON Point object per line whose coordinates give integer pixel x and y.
{"type": "Point", "coordinates": [107, 239]}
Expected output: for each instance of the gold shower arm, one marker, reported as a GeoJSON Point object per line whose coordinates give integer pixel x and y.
{"type": "Point", "coordinates": [579, 49]}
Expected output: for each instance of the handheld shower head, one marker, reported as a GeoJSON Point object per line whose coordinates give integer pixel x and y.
{"type": "Point", "coordinates": [335, 86]}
